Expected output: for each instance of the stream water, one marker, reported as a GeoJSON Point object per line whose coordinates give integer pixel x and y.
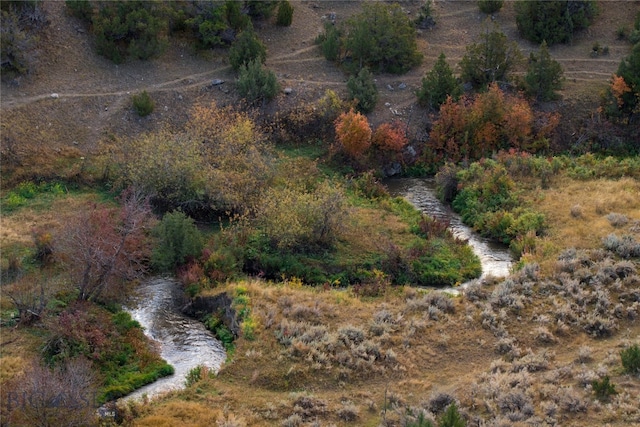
{"type": "Point", "coordinates": [495, 257]}
{"type": "Point", "coordinates": [184, 342]}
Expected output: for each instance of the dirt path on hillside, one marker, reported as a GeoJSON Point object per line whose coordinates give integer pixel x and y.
{"type": "Point", "coordinates": [67, 66]}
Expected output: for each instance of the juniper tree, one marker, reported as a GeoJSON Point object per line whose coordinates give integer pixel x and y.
{"type": "Point", "coordinates": [438, 84]}
{"type": "Point", "coordinates": [544, 75]}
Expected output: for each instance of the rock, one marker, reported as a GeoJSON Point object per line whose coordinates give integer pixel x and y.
{"type": "Point", "coordinates": [217, 82]}
{"type": "Point", "coordinates": [392, 169]}
{"type": "Point", "coordinates": [402, 86]}
{"type": "Point", "coordinates": [218, 305]}
{"type": "Point", "coordinates": [55, 96]}
{"type": "Point", "coordinates": [387, 104]}
{"type": "Point", "coordinates": [288, 91]}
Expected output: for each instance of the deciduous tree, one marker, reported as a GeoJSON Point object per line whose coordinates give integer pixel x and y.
{"type": "Point", "coordinates": [353, 133]}
{"type": "Point", "coordinates": [104, 248]}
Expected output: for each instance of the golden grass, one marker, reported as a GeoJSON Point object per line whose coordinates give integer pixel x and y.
{"type": "Point", "coordinates": [187, 414]}
{"type": "Point", "coordinates": [17, 226]}
{"type": "Point", "coordinates": [17, 349]}
{"type": "Point", "coordinates": [595, 199]}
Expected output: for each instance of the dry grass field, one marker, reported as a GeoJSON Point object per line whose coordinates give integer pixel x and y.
{"type": "Point", "coordinates": [522, 351]}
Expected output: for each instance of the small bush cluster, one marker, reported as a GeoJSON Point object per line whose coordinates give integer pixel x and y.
{"type": "Point", "coordinates": [553, 21]}
{"type": "Point", "coordinates": [486, 199]}
{"type": "Point", "coordinates": [478, 125]}
{"type": "Point", "coordinates": [631, 359]}
{"type": "Point", "coordinates": [143, 104]}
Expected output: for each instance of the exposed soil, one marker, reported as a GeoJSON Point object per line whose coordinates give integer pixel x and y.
{"type": "Point", "coordinates": [92, 95]}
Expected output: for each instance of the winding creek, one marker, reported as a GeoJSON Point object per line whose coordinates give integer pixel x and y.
{"type": "Point", "coordinates": [185, 343]}
{"type": "Point", "coordinates": [495, 258]}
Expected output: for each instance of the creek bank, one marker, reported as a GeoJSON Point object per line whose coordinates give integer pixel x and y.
{"type": "Point", "coordinates": [184, 342]}
{"type": "Point", "coordinates": [495, 258]}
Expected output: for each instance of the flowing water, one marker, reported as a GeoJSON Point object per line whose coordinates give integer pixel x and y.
{"type": "Point", "coordinates": [495, 258]}
{"type": "Point", "coordinates": [184, 342]}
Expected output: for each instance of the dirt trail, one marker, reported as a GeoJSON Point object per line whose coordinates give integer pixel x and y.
{"type": "Point", "coordinates": [67, 65]}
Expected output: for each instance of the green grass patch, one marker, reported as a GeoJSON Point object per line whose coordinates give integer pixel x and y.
{"type": "Point", "coordinates": [38, 196]}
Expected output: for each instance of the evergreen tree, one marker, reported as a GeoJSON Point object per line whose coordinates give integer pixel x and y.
{"type": "Point", "coordinates": [285, 14]}
{"type": "Point", "coordinates": [256, 83]}
{"type": "Point", "coordinates": [135, 29]}
{"type": "Point", "coordinates": [452, 418]}
{"type": "Point", "coordinates": [178, 239]}
{"type": "Point", "coordinates": [544, 75]}
{"type": "Point", "coordinates": [629, 71]}
{"type": "Point", "coordinates": [437, 84]}
{"type": "Point", "coordinates": [382, 38]}
{"type": "Point", "coordinates": [330, 42]}
{"type": "Point", "coordinates": [553, 21]}
{"type": "Point", "coordinates": [247, 48]}
{"type": "Point", "coordinates": [491, 60]}
{"type": "Point", "coordinates": [490, 6]}
{"type": "Point", "coordinates": [363, 89]}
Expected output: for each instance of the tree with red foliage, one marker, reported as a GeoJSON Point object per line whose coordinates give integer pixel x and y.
{"type": "Point", "coordinates": [390, 137]}
{"type": "Point", "coordinates": [106, 247]}
{"type": "Point", "coordinates": [475, 127]}
{"type": "Point", "coordinates": [353, 133]}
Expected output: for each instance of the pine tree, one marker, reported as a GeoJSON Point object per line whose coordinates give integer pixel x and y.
{"type": "Point", "coordinates": [491, 60]}
{"type": "Point", "coordinates": [363, 89]}
{"type": "Point", "coordinates": [285, 14]}
{"type": "Point", "coordinates": [452, 418]}
{"type": "Point", "coordinates": [437, 84]}
{"type": "Point", "coordinates": [256, 83]}
{"type": "Point", "coordinates": [247, 48]}
{"type": "Point", "coordinates": [544, 75]}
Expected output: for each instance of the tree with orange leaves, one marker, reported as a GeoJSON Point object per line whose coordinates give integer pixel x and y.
{"type": "Point", "coordinates": [353, 133]}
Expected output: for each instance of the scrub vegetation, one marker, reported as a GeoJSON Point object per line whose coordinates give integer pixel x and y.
{"type": "Point", "coordinates": [242, 148]}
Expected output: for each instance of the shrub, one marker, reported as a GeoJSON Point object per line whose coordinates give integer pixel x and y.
{"type": "Point", "coordinates": [353, 133]}
{"type": "Point", "coordinates": [390, 137]}
{"type": "Point", "coordinates": [362, 89]}
{"type": "Point", "coordinates": [129, 29]}
{"type": "Point", "coordinates": [166, 165]}
{"type": "Point", "coordinates": [61, 396]}
{"type": "Point", "coordinates": [285, 14]}
{"type": "Point", "coordinates": [256, 83]}
{"type": "Point", "coordinates": [143, 104]}
{"type": "Point", "coordinates": [382, 38]}
{"type": "Point", "coordinates": [490, 6]}
{"type": "Point", "coordinates": [603, 388]}
{"type": "Point", "coordinates": [15, 42]}
{"type": "Point", "coordinates": [631, 359]}
{"type": "Point", "coordinates": [294, 220]}
{"type": "Point", "coordinates": [425, 18]}
{"type": "Point", "coordinates": [490, 60]}
{"type": "Point", "coordinates": [260, 9]}
{"type": "Point", "coordinates": [247, 49]}
{"type": "Point", "coordinates": [81, 9]}
{"type": "Point", "coordinates": [553, 21]}
{"type": "Point", "coordinates": [178, 240]}
{"type": "Point", "coordinates": [438, 84]}
{"type": "Point", "coordinates": [473, 128]}
{"type": "Point", "coordinates": [544, 75]}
